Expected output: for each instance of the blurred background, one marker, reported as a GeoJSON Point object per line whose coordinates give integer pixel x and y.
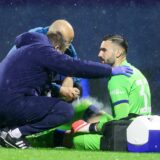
{"type": "Point", "coordinates": [137, 20]}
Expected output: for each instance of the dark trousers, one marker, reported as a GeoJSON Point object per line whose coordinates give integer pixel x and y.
{"type": "Point", "coordinates": [35, 114]}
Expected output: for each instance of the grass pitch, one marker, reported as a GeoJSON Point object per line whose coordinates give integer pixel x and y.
{"type": "Point", "coordinates": [66, 154]}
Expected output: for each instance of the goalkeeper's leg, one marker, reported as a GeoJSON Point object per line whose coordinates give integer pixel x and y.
{"type": "Point", "coordinates": [95, 125]}
{"type": "Point", "coordinates": [87, 141]}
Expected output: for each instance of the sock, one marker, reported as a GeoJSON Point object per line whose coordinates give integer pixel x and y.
{"type": "Point", "coordinates": [15, 133]}
{"type": "Point", "coordinates": [93, 127]}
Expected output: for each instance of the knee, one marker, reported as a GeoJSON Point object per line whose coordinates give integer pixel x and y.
{"type": "Point", "coordinates": [68, 112]}
{"type": "Point", "coordinates": [65, 110]}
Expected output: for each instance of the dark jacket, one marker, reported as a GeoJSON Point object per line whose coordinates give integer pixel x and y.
{"type": "Point", "coordinates": [27, 72]}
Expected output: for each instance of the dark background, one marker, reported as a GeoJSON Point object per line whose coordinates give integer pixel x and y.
{"type": "Point", "coordinates": [137, 20]}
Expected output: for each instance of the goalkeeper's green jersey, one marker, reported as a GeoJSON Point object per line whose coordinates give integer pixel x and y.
{"type": "Point", "coordinates": [129, 95]}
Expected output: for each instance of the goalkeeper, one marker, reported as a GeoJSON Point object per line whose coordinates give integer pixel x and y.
{"type": "Point", "coordinates": [130, 96]}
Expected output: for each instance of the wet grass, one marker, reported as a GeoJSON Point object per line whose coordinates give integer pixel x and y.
{"type": "Point", "coordinates": [65, 154]}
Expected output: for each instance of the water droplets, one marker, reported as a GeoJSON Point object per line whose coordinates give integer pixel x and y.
{"type": "Point", "coordinates": [104, 12]}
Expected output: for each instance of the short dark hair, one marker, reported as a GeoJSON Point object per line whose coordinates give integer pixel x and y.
{"type": "Point", "coordinates": [118, 39]}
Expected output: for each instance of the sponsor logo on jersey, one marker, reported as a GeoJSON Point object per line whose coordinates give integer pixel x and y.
{"type": "Point", "coordinates": [117, 92]}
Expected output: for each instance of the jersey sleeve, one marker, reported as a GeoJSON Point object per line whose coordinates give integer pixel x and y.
{"type": "Point", "coordinates": [118, 88]}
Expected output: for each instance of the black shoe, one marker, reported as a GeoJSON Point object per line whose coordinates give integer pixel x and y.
{"type": "Point", "coordinates": [9, 141]}
{"type": "Point", "coordinates": [3, 132]}
{"type": "Point", "coordinates": [2, 143]}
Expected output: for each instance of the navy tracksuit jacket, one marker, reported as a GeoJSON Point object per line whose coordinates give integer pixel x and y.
{"type": "Point", "coordinates": [24, 75]}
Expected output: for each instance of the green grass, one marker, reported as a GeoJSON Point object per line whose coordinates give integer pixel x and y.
{"type": "Point", "coordinates": [63, 154]}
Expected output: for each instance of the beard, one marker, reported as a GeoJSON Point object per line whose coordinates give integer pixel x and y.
{"type": "Point", "coordinates": [111, 62]}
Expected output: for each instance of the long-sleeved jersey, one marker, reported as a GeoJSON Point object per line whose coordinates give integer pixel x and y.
{"type": "Point", "coordinates": [129, 96]}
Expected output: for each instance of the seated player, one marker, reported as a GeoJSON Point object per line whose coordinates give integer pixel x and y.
{"type": "Point", "coordinates": [130, 96]}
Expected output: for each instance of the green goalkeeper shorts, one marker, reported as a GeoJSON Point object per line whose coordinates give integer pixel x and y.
{"type": "Point", "coordinates": [87, 141]}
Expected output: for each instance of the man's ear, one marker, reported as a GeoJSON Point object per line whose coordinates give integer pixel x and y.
{"type": "Point", "coordinates": [118, 53]}
{"type": "Point", "coordinates": [57, 48]}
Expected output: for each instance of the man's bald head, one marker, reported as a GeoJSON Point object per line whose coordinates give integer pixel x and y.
{"type": "Point", "coordinates": [64, 27]}
{"type": "Point", "coordinates": [61, 28]}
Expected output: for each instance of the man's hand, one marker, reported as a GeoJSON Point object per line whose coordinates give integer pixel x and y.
{"type": "Point", "coordinates": [68, 82]}
{"type": "Point", "coordinates": [123, 70]}
{"type": "Point", "coordinates": [69, 93]}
